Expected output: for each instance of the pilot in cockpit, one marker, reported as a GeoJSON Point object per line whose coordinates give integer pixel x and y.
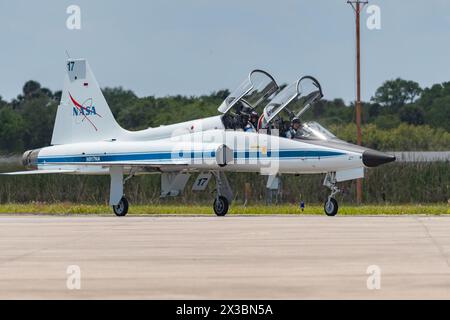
{"type": "Point", "coordinates": [252, 122]}
{"type": "Point", "coordinates": [293, 129]}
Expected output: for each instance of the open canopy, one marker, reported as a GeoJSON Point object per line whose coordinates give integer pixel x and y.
{"type": "Point", "coordinates": [259, 86]}
{"type": "Point", "coordinates": [306, 90]}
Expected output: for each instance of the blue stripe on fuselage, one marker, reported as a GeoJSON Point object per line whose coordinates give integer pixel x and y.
{"type": "Point", "coordinates": [282, 154]}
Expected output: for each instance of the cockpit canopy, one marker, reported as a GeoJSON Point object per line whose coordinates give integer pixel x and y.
{"type": "Point", "coordinates": [306, 90]}
{"type": "Point", "coordinates": [258, 87]}
{"type": "Point", "coordinates": [295, 99]}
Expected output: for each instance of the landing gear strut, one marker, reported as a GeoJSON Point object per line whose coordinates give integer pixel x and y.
{"type": "Point", "coordinates": [224, 195]}
{"type": "Point", "coordinates": [331, 206]}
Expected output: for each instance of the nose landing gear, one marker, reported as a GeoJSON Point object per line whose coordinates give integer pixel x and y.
{"type": "Point", "coordinates": [331, 206]}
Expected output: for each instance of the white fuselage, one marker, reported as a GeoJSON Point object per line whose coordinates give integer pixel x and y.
{"type": "Point", "coordinates": [177, 129]}
{"type": "Point", "coordinates": [245, 152]}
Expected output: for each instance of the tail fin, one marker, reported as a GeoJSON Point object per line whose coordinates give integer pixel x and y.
{"type": "Point", "coordinates": [83, 114]}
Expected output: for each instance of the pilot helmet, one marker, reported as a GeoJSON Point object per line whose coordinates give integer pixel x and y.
{"type": "Point", "coordinates": [296, 120]}
{"type": "Point", "coordinates": [246, 111]}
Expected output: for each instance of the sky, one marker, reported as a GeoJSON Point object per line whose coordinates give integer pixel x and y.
{"type": "Point", "coordinates": [194, 47]}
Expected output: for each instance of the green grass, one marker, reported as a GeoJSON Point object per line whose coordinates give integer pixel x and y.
{"type": "Point", "coordinates": [84, 209]}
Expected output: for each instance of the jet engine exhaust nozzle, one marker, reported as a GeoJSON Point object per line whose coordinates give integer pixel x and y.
{"type": "Point", "coordinates": [29, 159]}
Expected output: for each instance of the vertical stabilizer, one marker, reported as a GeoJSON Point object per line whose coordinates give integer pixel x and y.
{"type": "Point", "coordinates": [83, 114]}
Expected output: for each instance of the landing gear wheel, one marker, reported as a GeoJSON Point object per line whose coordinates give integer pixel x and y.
{"type": "Point", "coordinates": [121, 209]}
{"type": "Point", "coordinates": [331, 207]}
{"type": "Point", "coordinates": [221, 206]}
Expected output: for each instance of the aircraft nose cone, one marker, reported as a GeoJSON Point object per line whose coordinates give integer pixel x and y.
{"type": "Point", "coordinates": [372, 158]}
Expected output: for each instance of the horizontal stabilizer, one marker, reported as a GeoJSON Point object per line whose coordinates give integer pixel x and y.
{"type": "Point", "coordinates": [35, 172]}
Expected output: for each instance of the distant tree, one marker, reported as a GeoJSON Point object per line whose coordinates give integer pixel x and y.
{"type": "Point", "coordinates": [438, 113]}
{"type": "Point", "coordinates": [396, 93]}
{"type": "Point", "coordinates": [319, 109]}
{"type": "Point", "coordinates": [402, 137]}
{"type": "Point", "coordinates": [388, 121]}
{"type": "Point", "coordinates": [436, 91]}
{"type": "Point", "coordinates": [15, 103]}
{"type": "Point", "coordinates": [47, 92]}
{"type": "Point", "coordinates": [31, 87]}
{"type": "Point", "coordinates": [339, 103]}
{"type": "Point", "coordinates": [57, 96]}
{"type": "Point", "coordinates": [118, 99]}
{"type": "Point", "coordinates": [138, 115]}
{"type": "Point", "coordinates": [11, 130]}
{"type": "Point", "coordinates": [2, 103]}
{"type": "Point", "coordinates": [39, 116]}
{"type": "Point", "coordinates": [412, 114]}
{"type": "Point", "coordinates": [435, 102]}
{"type": "Point", "coordinates": [330, 112]}
{"type": "Point", "coordinates": [374, 110]}
{"type": "Point", "coordinates": [221, 94]}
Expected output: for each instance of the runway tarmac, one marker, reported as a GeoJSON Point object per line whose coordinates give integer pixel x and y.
{"type": "Point", "coordinates": [265, 257]}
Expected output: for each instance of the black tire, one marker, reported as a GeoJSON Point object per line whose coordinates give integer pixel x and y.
{"type": "Point", "coordinates": [221, 206]}
{"type": "Point", "coordinates": [331, 207]}
{"type": "Point", "coordinates": [121, 209]}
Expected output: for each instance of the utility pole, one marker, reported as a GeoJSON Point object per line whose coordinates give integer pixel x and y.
{"type": "Point", "coordinates": [357, 5]}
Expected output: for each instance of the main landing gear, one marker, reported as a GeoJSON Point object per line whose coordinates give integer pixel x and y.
{"type": "Point", "coordinates": [117, 200]}
{"type": "Point", "coordinates": [224, 194]}
{"type": "Point", "coordinates": [331, 206]}
{"type": "Point", "coordinates": [121, 209]}
{"type": "Point", "coordinates": [221, 206]}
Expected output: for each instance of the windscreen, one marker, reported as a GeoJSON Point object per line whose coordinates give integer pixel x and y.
{"type": "Point", "coordinates": [314, 131]}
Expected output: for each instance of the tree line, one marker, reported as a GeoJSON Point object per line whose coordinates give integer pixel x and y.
{"type": "Point", "coordinates": [400, 116]}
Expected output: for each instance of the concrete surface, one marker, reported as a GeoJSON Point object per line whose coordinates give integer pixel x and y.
{"type": "Point", "coordinates": [268, 257]}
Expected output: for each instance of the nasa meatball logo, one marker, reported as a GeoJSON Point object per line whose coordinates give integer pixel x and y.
{"type": "Point", "coordinates": [84, 112]}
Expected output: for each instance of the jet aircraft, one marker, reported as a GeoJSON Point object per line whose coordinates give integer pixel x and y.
{"type": "Point", "coordinates": [87, 140]}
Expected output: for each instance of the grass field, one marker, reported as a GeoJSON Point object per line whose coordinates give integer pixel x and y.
{"type": "Point", "coordinates": [69, 208]}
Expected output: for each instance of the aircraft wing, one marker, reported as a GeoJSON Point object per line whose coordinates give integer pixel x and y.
{"type": "Point", "coordinates": [96, 164]}
{"type": "Point", "coordinates": [35, 172]}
